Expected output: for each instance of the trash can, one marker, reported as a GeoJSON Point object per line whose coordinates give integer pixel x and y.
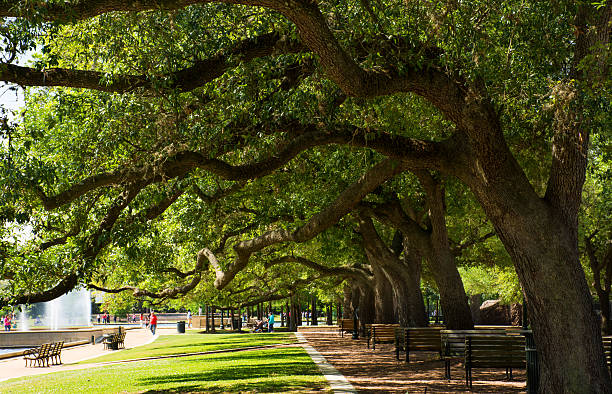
{"type": "Point", "coordinates": [236, 323]}
{"type": "Point", "coordinates": [180, 327]}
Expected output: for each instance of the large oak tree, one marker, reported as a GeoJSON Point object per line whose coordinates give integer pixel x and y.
{"type": "Point", "coordinates": [499, 77]}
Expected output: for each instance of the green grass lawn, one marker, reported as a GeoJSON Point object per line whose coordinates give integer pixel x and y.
{"type": "Point", "coordinates": [265, 370]}
{"type": "Point", "coordinates": [269, 370]}
{"type": "Point", "coordinates": [193, 342]}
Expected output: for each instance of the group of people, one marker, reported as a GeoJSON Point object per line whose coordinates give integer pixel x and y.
{"type": "Point", "coordinates": [105, 318]}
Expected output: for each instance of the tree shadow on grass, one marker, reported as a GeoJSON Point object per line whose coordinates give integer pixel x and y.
{"type": "Point", "coordinates": [257, 354]}
{"type": "Point", "coordinates": [217, 343]}
{"type": "Point", "coordinates": [281, 375]}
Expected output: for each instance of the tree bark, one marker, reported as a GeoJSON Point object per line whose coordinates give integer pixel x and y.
{"type": "Point", "coordinates": [363, 302]}
{"type": "Point", "coordinates": [434, 245]}
{"type": "Point", "coordinates": [404, 279]}
{"type": "Point", "coordinates": [347, 299]}
{"type": "Point", "coordinates": [315, 319]}
{"type": "Point", "coordinates": [457, 313]}
{"type": "Point", "coordinates": [383, 297]}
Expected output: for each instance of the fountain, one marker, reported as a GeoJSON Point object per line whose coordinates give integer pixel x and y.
{"type": "Point", "coordinates": [24, 322]}
{"type": "Point", "coordinates": [68, 311]}
{"type": "Point", "coordinates": [67, 318]}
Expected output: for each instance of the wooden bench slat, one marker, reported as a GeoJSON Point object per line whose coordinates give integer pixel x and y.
{"type": "Point", "coordinates": [486, 351]}
{"type": "Point", "coordinates": [417, 339]}
{"type": "Point", "coordinates": [380, 332]}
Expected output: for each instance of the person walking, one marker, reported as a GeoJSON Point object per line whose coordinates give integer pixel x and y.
{"type": "Point", "coordinates": [188, 319]}
{"type": "Point", "coordinates": [153, 322]}
{"type": "Point", "coordinates": [271, 322]}
{"type": "Point", "coordinates": [7, 323]}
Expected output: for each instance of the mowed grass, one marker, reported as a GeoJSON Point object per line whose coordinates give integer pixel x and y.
{"type": "Point", "coordinates": [287, 369]}
{"type": "Point", "coordinates": [270, 370]}
{"type": "Point", "coordinates": [193, 342]}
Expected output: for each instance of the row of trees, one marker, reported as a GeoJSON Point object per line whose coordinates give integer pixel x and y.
{"type": "Point", "coordinates": [258, 146]}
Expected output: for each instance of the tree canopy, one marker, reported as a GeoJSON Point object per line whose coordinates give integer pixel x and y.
{"type": "Point", "coordinates": [257, 146]}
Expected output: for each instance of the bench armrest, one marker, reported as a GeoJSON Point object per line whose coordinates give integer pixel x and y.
{"type": "Point", "coordinates": [30, 351]}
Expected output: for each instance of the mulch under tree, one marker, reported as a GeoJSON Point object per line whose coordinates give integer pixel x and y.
{"type": "Point", "coordinates": [378, 370]}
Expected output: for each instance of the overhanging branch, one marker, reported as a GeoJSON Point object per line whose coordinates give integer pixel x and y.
{"type": "Point", "coordinates": [187, 79]}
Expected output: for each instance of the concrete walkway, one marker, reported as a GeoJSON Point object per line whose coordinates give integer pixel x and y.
{"type": "Point", "coordinates": [339, 384]}
{"type": "Point", "coordinates": [15, 367]}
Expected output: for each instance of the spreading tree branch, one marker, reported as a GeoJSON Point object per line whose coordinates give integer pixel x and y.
{"type": "Point", "coordinates": [167, 293]}
{"type": "Point", "coordinates": [320, 222]}
{"type": "Point", "coordinates": [197, 75]}
{"type": "Point", "coordinates": [344, 271]}
{"type": "Point", "coordinates": [412, 152]}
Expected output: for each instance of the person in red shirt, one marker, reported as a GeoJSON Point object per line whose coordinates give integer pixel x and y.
{"type": "Point", "coordinates": [153, 323]}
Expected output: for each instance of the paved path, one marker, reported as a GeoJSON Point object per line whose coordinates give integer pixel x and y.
{"type": "Point", "coordinates": [15, 367]}
{"type": "Point", "coordinates": [337, 381]}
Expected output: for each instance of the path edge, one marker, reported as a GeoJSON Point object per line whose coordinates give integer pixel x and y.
{"type": "Point", "coordinates": [338, 382]}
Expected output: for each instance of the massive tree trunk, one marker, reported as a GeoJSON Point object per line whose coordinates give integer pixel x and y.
{"type": "Point", "coordinates": [417, 313]}
{"type": "Point", "coordinates": [457, 313]}
{"type": "Point", "coordinates": [541, 234]}
{"type": "Point", "coordinates": [365, 303]}
{"type": "Point", "coordinates": [383, 297]}
{"type": "Point", "coordinates": [434, 245]}
{"type": "Point", "coordinates": [404, 280]}
{"type": "Point", "coordinates": [559, 303]}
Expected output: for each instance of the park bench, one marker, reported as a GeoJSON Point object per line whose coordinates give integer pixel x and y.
{"type": "Point", "coordinates": [493, 351]}
{"type": "Point", "coordinates": [346, 325]}
{"type": "Point", "coordinates": [114, 341]}
{"type": "Point", "coordinates": [40, 354]}
{"type": "Point", "coordinates": [380, 333]}
{"type": "Point", "coordinates": [55, 355]}
{"type": "Point", "coordinates": [453, 344]}
{"type": "Point", "coordinates": [417, 339]}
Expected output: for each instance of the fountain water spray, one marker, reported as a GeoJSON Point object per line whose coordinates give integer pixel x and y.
{"type": "Point", "coordinates": [70, 310]}
{"type": "Point", "coordinates": [24, 323]}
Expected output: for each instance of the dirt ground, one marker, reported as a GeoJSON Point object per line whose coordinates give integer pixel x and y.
{"type": "Point", "coordinates": [378, 371]}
